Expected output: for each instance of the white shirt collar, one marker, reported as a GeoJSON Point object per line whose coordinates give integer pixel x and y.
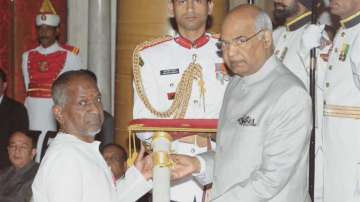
{"type": "Point", "coordinates": [1, 98]}
{"type": "Point", "coordinates": [68, 137]}
{"type": "Point", "coordinates": [54, 47]}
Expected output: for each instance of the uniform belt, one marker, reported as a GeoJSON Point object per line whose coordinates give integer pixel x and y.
{"type": "Point", "coordinates": [342, 111]}
{"type": "Point", "coordinates": [39, 92]}
{"type": "Point", "coordinates": [40, 85]}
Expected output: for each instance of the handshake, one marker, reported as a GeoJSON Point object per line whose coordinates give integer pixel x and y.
{"type": "Point", "coordinates": [182, 165]}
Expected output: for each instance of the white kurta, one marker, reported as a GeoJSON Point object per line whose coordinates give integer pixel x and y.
{"type": "Point", "coordinates": [163, 67]}
{"type": "Point", "coordinates": [39, 109]}
{"type": "Point", "coordinates": [74, 171]}
{"type": "Point", "coordinates": [341, 135]}
{"type": "Point", "coordinates": [263, 139]}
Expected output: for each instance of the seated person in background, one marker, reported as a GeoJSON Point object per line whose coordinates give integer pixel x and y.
{"type": "Point", "coordinates": [16, 180]}
{"type": "Point", "coordinates": [13, 116]}
{"type": "Point", "coordinates": [115, 156]}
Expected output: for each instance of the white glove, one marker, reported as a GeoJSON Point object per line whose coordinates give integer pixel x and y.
{"type": "Point", "coordinates": [312, 37]}
{"type": "Point", "coordinates": [145, 137]}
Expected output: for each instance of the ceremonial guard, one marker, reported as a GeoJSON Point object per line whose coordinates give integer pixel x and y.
{"type": "Point", "coordinates": [293, 42]}
{"type": "Point", "coordinates": [41, 66]}
{"type": "Point", "coordinates": [181, 76]}
{"type": "Point", "coordinates": [342, 107]}
{"type": "Point", "coordinates": [288, 38]}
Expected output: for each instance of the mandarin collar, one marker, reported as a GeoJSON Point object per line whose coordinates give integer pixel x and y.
{"type": "Point", "coordinates": [54, 47]}
{"type": "Point", "coordinates": [350, 21]}
{"type": "Point", "coordinates": [186, 43]}
{"type": "Point", "coordinates": [262, 73]}
{"type": "Point", "coordinates": [299, 21]}
{"type": "Point", "coordinates": [68, 137]}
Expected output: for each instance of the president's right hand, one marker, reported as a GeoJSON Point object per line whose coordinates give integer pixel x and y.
{"type": "Point", "coordinates": [184, 166]}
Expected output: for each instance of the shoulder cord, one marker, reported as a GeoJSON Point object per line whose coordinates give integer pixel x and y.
{"type": "Point", "coordinates": [180, 103]}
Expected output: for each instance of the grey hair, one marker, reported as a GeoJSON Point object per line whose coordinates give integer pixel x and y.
{"type": "Point", "coordinates": [60, 85]}
{"type": "Point", "coordinates": [263, 22]}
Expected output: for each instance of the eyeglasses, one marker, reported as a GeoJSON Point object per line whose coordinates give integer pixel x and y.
{"type": "Point", "coordinates": [21, 148]}
{"type": "Point", "coordinates": [237, 41]}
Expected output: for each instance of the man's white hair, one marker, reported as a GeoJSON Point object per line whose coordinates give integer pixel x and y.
{"type": "Point", "coordinates": [263, 22]}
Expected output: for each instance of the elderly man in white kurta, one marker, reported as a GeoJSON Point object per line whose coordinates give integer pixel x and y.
{"type": "Point", "coordinates": [265, 121]}
{"type": "Point", "coordinates": [73, 170]}
{"type": "Point", "coordinates": [161, 64]}
{"type": "Point", "coordinates": [41, 66]}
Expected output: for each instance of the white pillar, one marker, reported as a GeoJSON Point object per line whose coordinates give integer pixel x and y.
{"type": "Point", "coordinates": [161, 171]}
{"type": "Point", "coordinates": [77, 27]}
{"type": "Point", "coordinates": [99, 47]}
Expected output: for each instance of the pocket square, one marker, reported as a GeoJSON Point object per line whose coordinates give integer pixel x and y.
{"type": "Point", "coordinates": [246, 121]}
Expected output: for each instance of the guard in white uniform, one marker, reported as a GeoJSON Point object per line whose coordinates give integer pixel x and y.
{"type": "Point", "coordinates": [342, 108]}
{"type": "Point", "coordinates": [164, 66]}
{"type": "Point", "coordinates": [41, 66]}
{"type": "Point", "coordinates": [292, 48]}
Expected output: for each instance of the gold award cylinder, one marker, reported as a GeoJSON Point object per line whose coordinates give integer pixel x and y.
{"type": "Point", "coordinates": [161, 143]}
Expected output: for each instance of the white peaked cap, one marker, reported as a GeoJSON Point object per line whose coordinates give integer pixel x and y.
{"type": "Point", "coordinates": [47, 15]}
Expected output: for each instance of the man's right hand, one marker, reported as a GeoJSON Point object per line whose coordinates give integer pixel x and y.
{"type": "Point", "coordinates": [144, 163]}
{"type": "Point", "coordinates": [184, 166]}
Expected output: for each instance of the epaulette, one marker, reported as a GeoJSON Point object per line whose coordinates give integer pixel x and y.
{"type": "Point", "coordinates": [70, 48]}
{"type": "Point", "coordinates": [215, 35]}
{"type": "Point", "coordinates": [153, 42]}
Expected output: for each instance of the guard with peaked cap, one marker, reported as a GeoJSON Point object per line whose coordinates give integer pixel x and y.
{"type": "Point", "coordinates": [296, 56]}
{"type": "Point", "coordinates": [47, 15]}
{"type": "Point", "coordinates": [41, 66]}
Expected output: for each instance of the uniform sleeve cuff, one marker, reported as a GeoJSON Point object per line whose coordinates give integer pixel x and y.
{"type": "Point", "coordinates": [202, 167]}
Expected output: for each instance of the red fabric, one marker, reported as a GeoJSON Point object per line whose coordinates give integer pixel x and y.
{"type": "Point", "coordinates": [177, 123]}
{"type": "Point", "coordinates": [6, 18]}
{"type": "Point", "coordinates": [18, 34]}
{"type": "Point", "coordinates": [43, 70]}
{"type": "Point", "coordinates": [188, 44]}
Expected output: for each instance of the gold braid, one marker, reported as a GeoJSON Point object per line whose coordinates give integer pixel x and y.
{"type": "Point", "coordinates": [183, 91]}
